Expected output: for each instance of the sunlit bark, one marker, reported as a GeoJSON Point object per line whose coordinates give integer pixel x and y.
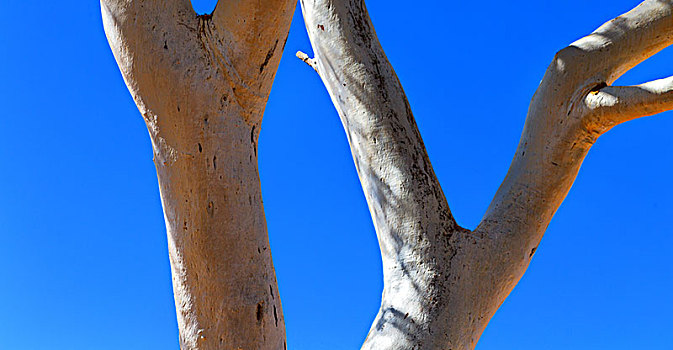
{"type": "Point", "coordinates": [201, 84]}
{"type": "Point", "coordinates": [443, 283]}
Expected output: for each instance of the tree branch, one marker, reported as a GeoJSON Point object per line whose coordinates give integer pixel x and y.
{"type": "Point", "coordinates": [141, 15]}
{"type": "Point", "coordinates": [618, 104]}
{"type": "Point", "coordinates": [571, 108]}
{"type": "Point", "coordinates": [311, 62]}
{"type": "Point", "coordinates": [417, 234]}
{"type": "Point", "coordinates": [145, 35]}
{"type": "Point", "coordinates": [627, 40]}
{"type": "Point", "coordinates": [568, 113]}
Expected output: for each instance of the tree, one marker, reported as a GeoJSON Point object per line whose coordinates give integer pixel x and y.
{"type": "Point", "coordinates": [201, 83]}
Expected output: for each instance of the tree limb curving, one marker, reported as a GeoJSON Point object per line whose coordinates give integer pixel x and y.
{"type": "Point", "coordinates": [443, 283]}
{"type": "Point", "coordinates": [622, 43]}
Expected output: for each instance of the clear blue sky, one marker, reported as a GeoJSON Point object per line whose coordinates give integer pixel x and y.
{"type": "Point", "coordinates": [83, 257]}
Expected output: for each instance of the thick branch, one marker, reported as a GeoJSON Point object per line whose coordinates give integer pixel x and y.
{"type": "Point", "coordinates": [424, 300]}
{"type": "Point", "coordinates": [143, 36]}
{"type": "Point", "coordinates": [569, 112]}
{"type": "Point", "coordinates": [571, 108]}
{"type": "Point", "coordinates": [388, 151]}
{"type": "Point", "coordinates": [622, 43]}
{"type": "Point", "coordinates": [618, 104]}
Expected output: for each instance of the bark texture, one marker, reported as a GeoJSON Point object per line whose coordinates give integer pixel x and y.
{"type": "Point", "coordinates": [443, 283]}
{"type": "Point", "coordinates": [201, 84]}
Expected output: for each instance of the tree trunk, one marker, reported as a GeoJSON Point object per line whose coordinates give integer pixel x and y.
{"type": "Point", "coordinates": [201, 84]}
{"type": "Point", "coordinates": [443, 283]}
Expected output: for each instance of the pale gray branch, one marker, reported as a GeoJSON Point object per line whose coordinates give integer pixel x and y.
{"type": "Point", "coordinates": [622, 43]}
{"type": "Point", "coordinates": [442, 283]}
{"type": "Point", "coordinates": [428, 296]}
{"type": "Point", "coordinates": [304, 57]}
{"type": "Point", "coordinates": [571, 108]}
{"type": "Point", "coordinates": [561, 125]}
{"type": "Point", "coordinates": [618, 104]}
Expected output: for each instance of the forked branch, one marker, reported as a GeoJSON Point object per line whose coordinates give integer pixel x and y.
{"type": "Point", "coordinates": [442, 283]}
{"type": "Point", "coordinates": [310, 61]}
{"type": "Point", "coordinates": [571, 108]}
{"type": "Point", "coordinates": [201, 83]}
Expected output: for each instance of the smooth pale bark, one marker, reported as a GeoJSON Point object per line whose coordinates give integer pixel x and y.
{"type": "Point", "coordinates": [201, 84]}
{"type": "Point", "coordinates": [443, 283]}
{"type": "Point", "coordinates": [623, 103]}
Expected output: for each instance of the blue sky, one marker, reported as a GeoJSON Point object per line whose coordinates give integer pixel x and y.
{"type": "Point", "coordinates": [83, 257]}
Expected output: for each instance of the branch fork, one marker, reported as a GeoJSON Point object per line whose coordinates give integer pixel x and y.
{"type": "Point", "coordinates": [443, 283]}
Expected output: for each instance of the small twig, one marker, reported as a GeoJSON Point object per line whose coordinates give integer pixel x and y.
{"type": "Point", "coordinates": [310, 61]}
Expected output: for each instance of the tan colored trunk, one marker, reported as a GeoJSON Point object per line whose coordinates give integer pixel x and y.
{"type": "Point", "coordinates": [201, 84]}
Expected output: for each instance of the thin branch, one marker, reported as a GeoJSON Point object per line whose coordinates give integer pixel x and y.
{"type": "Point", "coordinates": [310, 61]}
{"type": "Point", "coordinates": [559, 131]}
{"type": "Point", "coordinates": [618, 104]}
{"type": "Point", "coordinates": [571, 108]}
